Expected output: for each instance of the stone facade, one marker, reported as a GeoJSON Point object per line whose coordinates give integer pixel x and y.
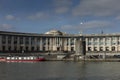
{"type": "Point", "coordinates": [103, 43]}
{"type": "Point", "coordinates": [51, 41]}
{"type": "Point", "coordinates": [54, 41]}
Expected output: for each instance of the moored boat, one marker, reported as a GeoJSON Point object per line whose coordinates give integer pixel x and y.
{"type": "Point", "coordinates": [2, 59]}
{"type": "Point", "coordinates": [22, 59]}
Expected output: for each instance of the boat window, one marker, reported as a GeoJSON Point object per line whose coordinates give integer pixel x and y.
{"type": "Point", "coordinates": [31, 57]}
{"type": "Point", "coordinates": [16, 58]}
{"type": "Point", "coordinates": [34, 57]}
{"type": "Point", "coordinates": [24, 57]}
{"type": "Point", "coordinates": [8, 57]}
{"type": "Point", "coordinates": [20, 58]}
{"type": "Point", "coordinates": [28, 58]}
{"type": "Point", "coordinates": [12, 58]}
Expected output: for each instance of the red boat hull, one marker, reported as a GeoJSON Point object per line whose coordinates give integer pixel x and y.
{"type": "Point", "coordinates": [21, 60]}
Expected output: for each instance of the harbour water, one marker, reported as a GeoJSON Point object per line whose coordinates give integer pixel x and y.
{"type": "Point", "coordinates": [60, 70]}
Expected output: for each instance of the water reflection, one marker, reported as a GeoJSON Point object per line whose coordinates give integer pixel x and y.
{"type": "Point", "coordinates": [60, 71]}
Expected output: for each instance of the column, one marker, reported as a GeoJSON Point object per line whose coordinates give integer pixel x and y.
{"type": "Point", "coordinates": [62, 44]}
{"type": "Point", "coordinates": [74, 43]}
{"type": "Point", "coordinates": [69, 44]}
{"type": "Point", "coordinates": [41, 47]}
{"type": "Point", "coordinates": [35, 44]}
{"type": "Point", "coordinates": [65, 43]}
{"type": "Point", "coordinates": [92, 44]}
{"type": "Point", "coordinates": [46, 45]}
{"type": "Point", "coordinates": [0, 43]}
{"type": "Point", "coordinates": [51, 42]}
{"type": "Point", "coordinates": [98, 46]}
{"type": "Point", "coordinates": [29, 43]}
{"type": "Point", "coordinates": [18, 43]}
{"type": "Point", "coordinates": [6, 45]}
{"type": "Point", "coordinates": [55, 44]}
{"type": "Point", "coordinates": [86, 44]}
{"type": "Point", "coordinates": [12, 43]}
{"type": "Point", "coordinates": [110, 47]}
{"type": "Point", "coordinates": [116, 45]}
{"type": "Point", "coordinates": [23, 45]}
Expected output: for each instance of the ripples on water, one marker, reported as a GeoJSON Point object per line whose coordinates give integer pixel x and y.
{"type": "Point", "coordinates": [60, 71]}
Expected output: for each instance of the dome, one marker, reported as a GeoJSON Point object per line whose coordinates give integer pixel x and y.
{"type": "Point", "coordinates": [54, 32]}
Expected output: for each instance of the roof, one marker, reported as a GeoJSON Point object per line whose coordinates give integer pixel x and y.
{"type": "Point", "coordinates": [54, 32]}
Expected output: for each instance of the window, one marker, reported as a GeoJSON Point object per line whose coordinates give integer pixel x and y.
{"type": "Point", "coordinates": [107, 43]}
{"type": "Point", "coordinates": [101, 39]}
{"type": "Point", "coordinates": [118, 42]}
{"type": "Point", "coordinates": [113, 38]}
{"type": "Point", "coordinates": [32, 48]}
{"type": "Point", "coordinates": [95, 39]}
{"type": "Point", "coordinates": [113, 43]}
{"type": "Point", "coordinates": [3, 39]}
{"type": "Point", "coordinates": [44, 41]}
{"type": "Point", "coordinates": [43, 48]}
{"type": "Point", "coordinates": [21, 48]}
{"type": "Point", "coordinates": [107, 38]}
{"type": "Point", "coordinates": [113, 48]}
{"type": "Point", "coordinates": [72, 41]}
{"type": "Point", "coordinates": [95, 48]}
{"type": "Point", "coordinates": [9, 39]}
{"type": "Point", "coordinates": [21, 40]}
{"type": "Point", "coordinates": [89, 48]}
{"type": "Point", "coordinates": [58, 48]}
{"type": "Point", "coordinates": [107, 48]}
{"type": "Point", "coordinates": [89, 43]}
{"type": "Point", "coordinates": [101, 43]}
{"type": "Point", "coordinates": [95, 43]}
{"type": "Point", "coordinates": [89, 39]}
{"type": "Point", "coordinates": [37, 48]}
{"type": "Point", "coordinates": [101, 48]}
{"type": "Point", "coordinates": [38, 42]}
{"type": "Point", "coordinates": [3, 48]}
{"type": "Point", "coordinates": [15, 48]}
{"type": "Point", "coordinates": [32, 40]}
{"type": "Point", "coordinates": [26, 48]}
{"type": "Point", "coordinates": [9, 48]}
{"type": "Point", "coordinates": [26, 40]}
{"type": "Point", "coordinates": [67, 41]}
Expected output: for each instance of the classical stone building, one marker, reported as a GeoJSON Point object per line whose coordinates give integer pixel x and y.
{"type": "Point", "coordinates": [51, 41]}
{"type": "Point", "coordinates": [54, 41]}
{"type": "Point", "coordinates": [103, 43]}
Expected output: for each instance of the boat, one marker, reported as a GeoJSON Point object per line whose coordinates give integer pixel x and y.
{"type": "Point", "coordinates": [2, 59]}
{"type": "Point", "coordinates": [22, 59]}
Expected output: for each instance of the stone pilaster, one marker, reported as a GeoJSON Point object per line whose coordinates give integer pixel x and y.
{"type": "Point", "coordinates": [69, 44]}
{"type": "Point", "coordinates": [23, 45]}
{"type": "Point", "coordinates": [6, 45]}
{"type": "Point", "coordinates": [29, 44]}
{"type": "Point", "coordinates": [46, 45]}
{"type": "Point", "coordinates": [0, 43]}
{"type": "Point", "coordinates": [41, 44]}
{"type": "Point", "coordinates": [35, 43]}
{"type": "Point", "coordinates": [18, 43]}
{"type": "Point", "coordinates": [12, 43]}
{"type": "Point", "coordinates": [103, 45]}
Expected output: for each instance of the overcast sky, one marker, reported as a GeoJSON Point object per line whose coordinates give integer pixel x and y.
{"type": "Point", "coordinates": [71, 16]}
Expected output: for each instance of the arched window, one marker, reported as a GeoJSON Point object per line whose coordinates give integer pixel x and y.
{"type": "Point", "coordinates": [89, 48]}
{"type": "Point", "coordinates": [113, 48]}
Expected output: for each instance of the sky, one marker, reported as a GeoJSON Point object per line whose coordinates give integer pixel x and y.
{"type": "Point", "coordinates": [71, 16]}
